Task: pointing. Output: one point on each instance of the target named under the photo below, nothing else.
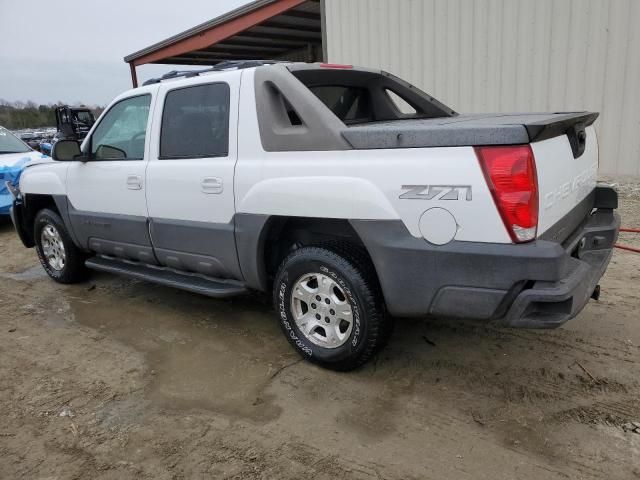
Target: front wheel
(61, 259)
(330, 307)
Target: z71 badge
(437, 192)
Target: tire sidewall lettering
(354, 303)
(283, 311)
(42, 223)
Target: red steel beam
(221, 32)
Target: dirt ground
(117, 379)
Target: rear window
(195, 122)
(349, 104)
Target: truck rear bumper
(540, 284)
(550, 304)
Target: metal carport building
(474, 55)
(265, 29)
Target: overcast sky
(72, 50)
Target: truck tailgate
(564, 182)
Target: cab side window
(195, 122)
(122, 132)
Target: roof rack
(227, 64)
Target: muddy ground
(116, 379)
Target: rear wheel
(61, 259)
(330, 306)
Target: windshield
(9, 143)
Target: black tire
(73, 270)
(351, 270)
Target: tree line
(19, 115)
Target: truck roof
(223, 66)
(233, 65)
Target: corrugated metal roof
(298, 28)
(238, 12)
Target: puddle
(123, 412)
(34, 273)
(201, 352)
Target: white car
(14, 154)
(349, 194)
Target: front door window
(121, 133)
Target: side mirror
(65, 150)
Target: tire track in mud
(418, 406)
(563, 341)
(487, 390)
(608, 413)
(565, 381)
(535, 458)
(554, 338)
(318, 461)
(559, 396)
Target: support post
(323, 26)
(134, 76)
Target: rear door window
(195, 122)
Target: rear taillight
(510, 172)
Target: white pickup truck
(348, 193)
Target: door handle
(134, 182)
(211, 185)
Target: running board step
(191, 282)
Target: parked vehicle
(14, 154)
(348, 193)
(73, 123)
(39, 140)
(45, 146)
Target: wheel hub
(53, 247)
(321, 310)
